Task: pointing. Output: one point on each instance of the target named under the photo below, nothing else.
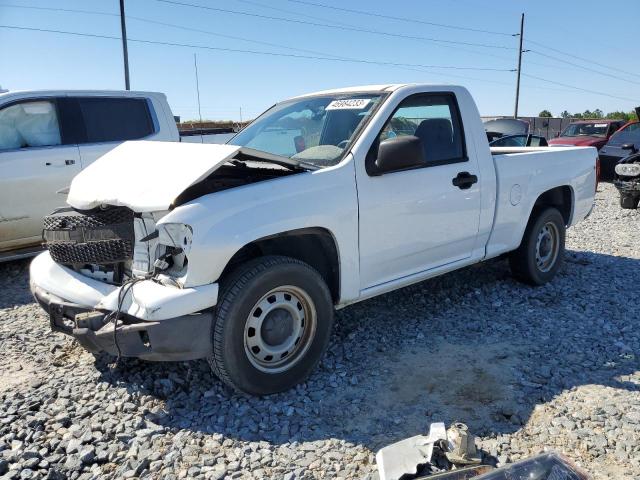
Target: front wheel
(272, 325)
(541, 252)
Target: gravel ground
(526, 368)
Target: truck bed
(523, 173)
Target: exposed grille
(70, 219)
(98, 236)
(104, 251)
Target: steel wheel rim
(279, 329)
(547, 247)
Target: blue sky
(602, 32)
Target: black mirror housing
(628, 146)
(399, 153)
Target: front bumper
(158, 323)
(628, 187)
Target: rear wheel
(541, 252)
(272, 325)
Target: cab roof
(386, 88)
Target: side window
(115, 119)
(435, 120)
(29, 124)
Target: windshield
(586, 130)
(629, 134)
(315, 130)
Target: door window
(435, 120)
(115, 119)
(29, 124)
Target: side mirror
(399, 153)
(628, 146)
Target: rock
(88, 454)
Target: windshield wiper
(249, 154)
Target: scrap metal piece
(462, 446)
(405, 457)
(461, 473)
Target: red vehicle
(587, 133)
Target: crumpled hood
(577, 141)
(146, 176)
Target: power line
(291, 12)
(208, 32)
(573, 87)
(588, 69)
(588, 60)
(334, 26)
(172, 25)
(401, 19)
(255, 52)
(182, 27)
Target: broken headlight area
(114, 244)
(171, 243)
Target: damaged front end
(115, 276)
(627, 181)
(111, 268)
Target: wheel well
(314, 246)
(560, 198)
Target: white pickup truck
(239, 253)
(47, 137)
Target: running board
(20, 253)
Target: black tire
(243, 292)
(629, 202)
(525, 261)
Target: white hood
(146, 176)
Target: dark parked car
(522, 140)
(627, 181)
(623, 143)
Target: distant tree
(618, 115)
(565, 114)
(545, 114)
(597, 113)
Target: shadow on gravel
(14, 290)
(473, 346)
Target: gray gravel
(527, 368)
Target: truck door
(415, 220)
(37, 161)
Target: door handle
(60, 163)
(464, 180)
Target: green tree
(565, 114)
(545, 114)
(618, 115)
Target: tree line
(595, 114)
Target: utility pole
(125, 53)
(515, 114)
(195, 64)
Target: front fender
(224, 222)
